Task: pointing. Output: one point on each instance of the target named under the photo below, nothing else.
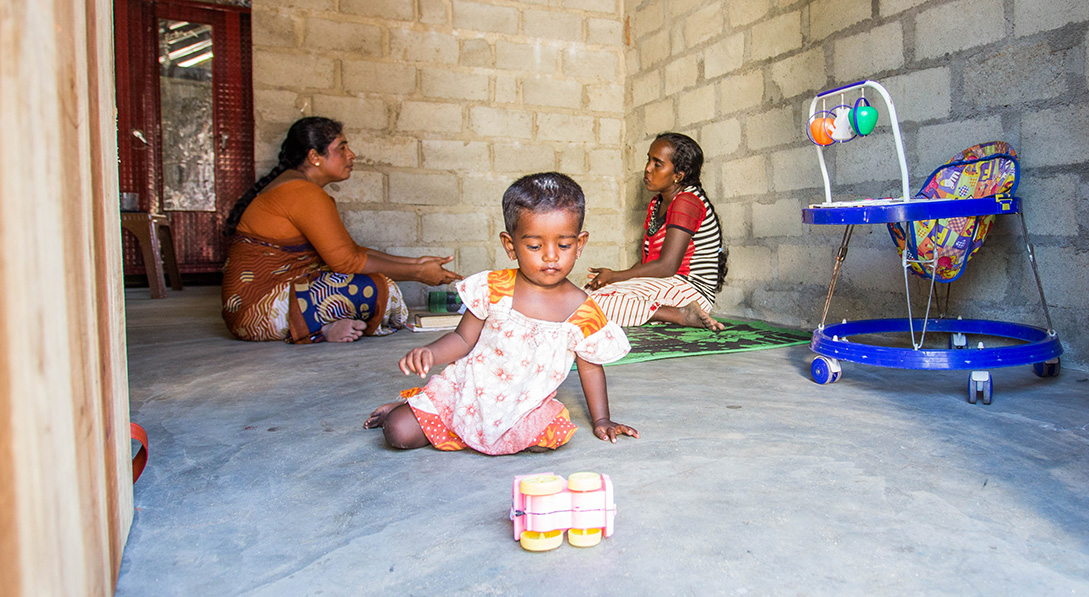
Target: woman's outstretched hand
(432, 272)
(418, 360)
(607, 430)
(599, 277)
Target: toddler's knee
(401, 429)
(394, 437)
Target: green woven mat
(668, 341)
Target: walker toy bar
(842, 123)
(545, 505)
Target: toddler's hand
(607, 430)
(418, 360)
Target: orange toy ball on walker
(821, 126)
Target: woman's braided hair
(312, 132)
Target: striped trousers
(634, 301)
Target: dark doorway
(185, 121)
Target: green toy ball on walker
(863, 117)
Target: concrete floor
(748, 479)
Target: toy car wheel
(584, 482)
(825, 370)
(1047, 368)
(584, 537)
(541, 541)
(541, 485)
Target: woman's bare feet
(378, 417)
(689, 315)
(344, 330)
(697, 318)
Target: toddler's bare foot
(696, 318)
(344, 330)
(378, 417)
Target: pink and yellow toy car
(545, 505)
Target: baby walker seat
(936, 231)
(986, 170)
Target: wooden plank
(83, 358)
(109, 284)
(10, 573)
(61, 340)
(47, 503)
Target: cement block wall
(739, 75)
(447, 101)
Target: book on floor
(431, 322)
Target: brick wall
(446, 102)
(739, 75)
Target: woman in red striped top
(683, 263)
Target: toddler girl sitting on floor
(516, 341)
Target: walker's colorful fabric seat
(985, 170)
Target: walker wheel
(980, 387)
(1049, 368)
(957, 341)
(825, 370)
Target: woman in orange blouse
(293, 272)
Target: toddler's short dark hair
(541, 193)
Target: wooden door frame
(65, 475)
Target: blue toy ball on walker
(936, 232)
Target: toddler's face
(546, 245)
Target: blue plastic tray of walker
(887, 211)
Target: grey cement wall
(446, 101)
(739, 76)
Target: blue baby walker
(936, 232)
